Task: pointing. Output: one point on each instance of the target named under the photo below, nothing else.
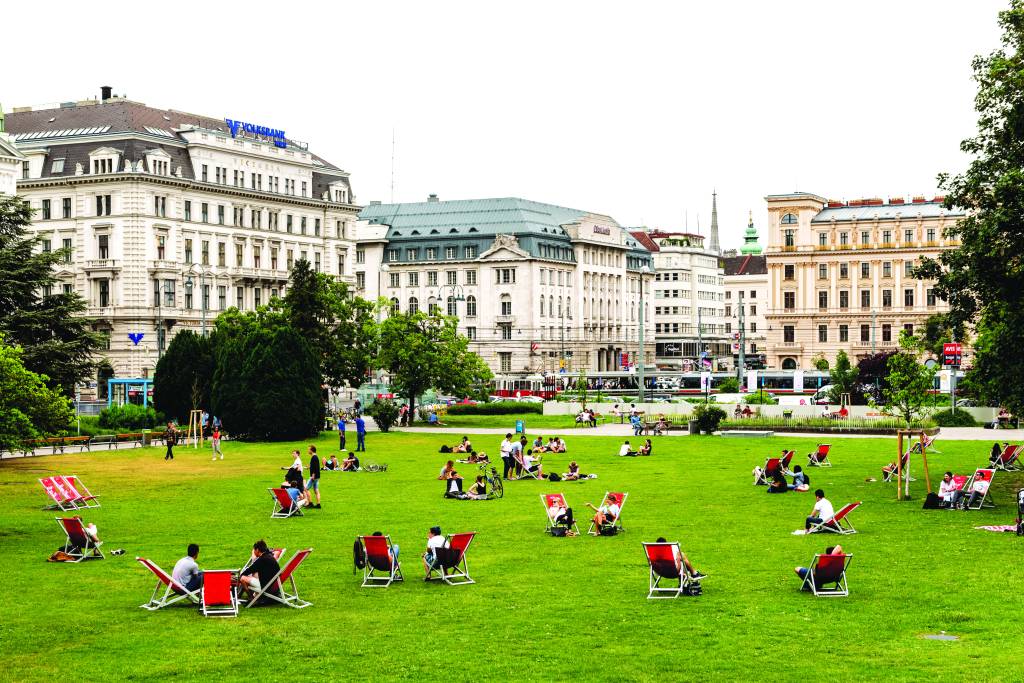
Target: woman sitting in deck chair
(607, 513)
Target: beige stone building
(839, 274)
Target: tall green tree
(423, 351)
(338, 326)
(907, 387)
(28, 408)
(56, 340)
(982, 279)
(843, 378)
(184, 375)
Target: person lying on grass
(464, 447)
(682, 562)
(607, 513)
(476, 458)
(802, 571)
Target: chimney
(375, 202)
(105, 92)
(432, 198)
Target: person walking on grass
(313, 484)
(360, 433)
(170, 438)
(215, 443)
(341, 432)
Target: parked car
(530, 399)
(964, 403)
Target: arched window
(452, 308)
(394, 305)
(414, 305)
(470, 306)
(506, 304)
(542, 311)
(789, 364)
(789, 219)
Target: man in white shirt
(532, 464)
(822, 511)
(516, 456)
(434, 541)
(506, 455)
(626, 449)
(186, 572)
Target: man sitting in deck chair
(450, 560)
(378, 554)
(819, 458)
(977, 490)
(1007, 458)
(826, 569)
(608, 515)
(82, 541)
(263, 570)
(772, 467)
(836, 523)
(186, 572)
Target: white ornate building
(10, 161)
(171, 217)
(536, 287)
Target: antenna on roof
(392, 165)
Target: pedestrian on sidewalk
(360, 433)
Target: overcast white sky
(637, 110)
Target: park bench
(54, 443)
(100, 439)
(131, 437)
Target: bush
(130, 417)
(708, 417)
(384, 412)
(729, 385)
(961, 418)
(500, 408)
(759, 398)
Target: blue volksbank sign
(263, 131)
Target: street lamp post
(202, 273)
(644, 270)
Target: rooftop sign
(275, 135)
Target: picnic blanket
(999, 527)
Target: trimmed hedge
(961, 418)
(499, 408)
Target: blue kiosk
(122, 391)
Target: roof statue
(750, 245)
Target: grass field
(542, 608)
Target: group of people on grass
(360, 430)
(627, 450)
(260, 571)
(210, 428)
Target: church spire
(714, 223)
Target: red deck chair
(284, 578)
(819, 458)
(378, 553)
(79, 544)
(284, 506)
(61, 498)
(661, 563)
(451, 559)
(172, 592)
(839, 523)
(79, 493)
(978, 490)
(772, 466)
(1008, 459)
(825, 571)
(557, 500)
(219, 599)
(786, 460)
(610, 497)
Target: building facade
(536, 287)
(170, 218)
(840, 274)
(10, 161)
(746, 303)
(689, 300)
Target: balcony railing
(102, 264)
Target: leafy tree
(184, 375)
(908, 387)
(982, 279)
(28, 408)
(384, 413)
(820, 364)
(729, 385)
(426, 352)
(843, 378)
(872, 371)
(54, 337)
(938, 329)
(339, 327)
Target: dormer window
(159, 162)
(104, 160)
(103, 165)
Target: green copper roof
(750, 245)
(472, 217)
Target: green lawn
(542, 608)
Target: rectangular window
(887, 236)
(431, 278)
(452, 277)
(886, 298)
(505, 361)
(505, 276)
(931, 234)
(273, 258)
(822, 239)
(789, 300)
(506, 307)
(67, 250)
(188, 251)
(103, 246)
(257, 296)
(360, 280)
(222, 297)
(470, 252)
(886, 332)
(411, 254)
(289, 259)
(506, 331)
(240, 298)
(221, 254)
(160, 206)
(789, 272)
(257, 218)
(103, 205)
(887, 269)
(789, 238)
(929, 296)
(302, 225)
(414, 279)
(239, 254)
(341, 264)
(471, 333)
(316, 261)
(470, 277)
(316, 227)
(450, 252)
(788, 334)
(394, 280)
(908, 328)
(431, 253)
(104, 298)
(303, 188)
(865, 269)
(204, 208)
(822, 299)
(206, 173)
(220, 214)
(46, 209)
(188, 210)
(844, 238)
(206, 297)
(844, 271)
(865, 298)
(288, 222)
(908, 298)
(66, 204)
(822, 271)
(257, 255)
(822, 333)
(908, 268)
(204, 251)
(188, 296)
(865, 237)
(844, 299)
(865, 333)
(46, 246)
(844, 333)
